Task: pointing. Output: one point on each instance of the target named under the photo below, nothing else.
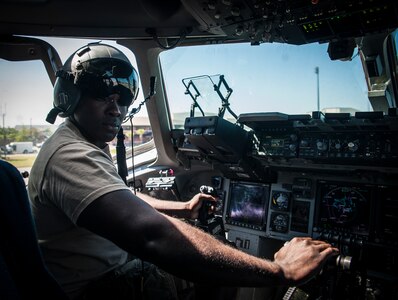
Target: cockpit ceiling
(201, 21)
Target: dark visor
(108, 84)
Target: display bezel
(256, 221)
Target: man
(89, 222)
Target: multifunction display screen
(345, 207)
(247, 204)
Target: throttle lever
(211, 222)
(204, 214)
(205, 189)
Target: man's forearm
(169, 207)
(201, 258)
(190, 253)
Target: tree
(7, 135)
(31, 134)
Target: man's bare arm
(188, 209)
(190, 253)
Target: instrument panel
(296, 22)
(358, 217)
(335, 139)
(331, 177)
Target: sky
(265, 78)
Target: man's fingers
(208, 197)
(331, 250)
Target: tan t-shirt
(69, 173)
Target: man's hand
(302, 258)
(196, 203)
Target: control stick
(205, 212)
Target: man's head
(96, 86)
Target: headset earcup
(66, 96)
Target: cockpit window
(267, 78)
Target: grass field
(20, 160)
(26, 160)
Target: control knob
(304, 143)
(353, 146)
(321, 146)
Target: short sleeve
(78, 174)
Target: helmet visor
(126, 87)
(111, 81)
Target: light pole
(317, 87)
(3, 114)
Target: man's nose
(113, 106)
